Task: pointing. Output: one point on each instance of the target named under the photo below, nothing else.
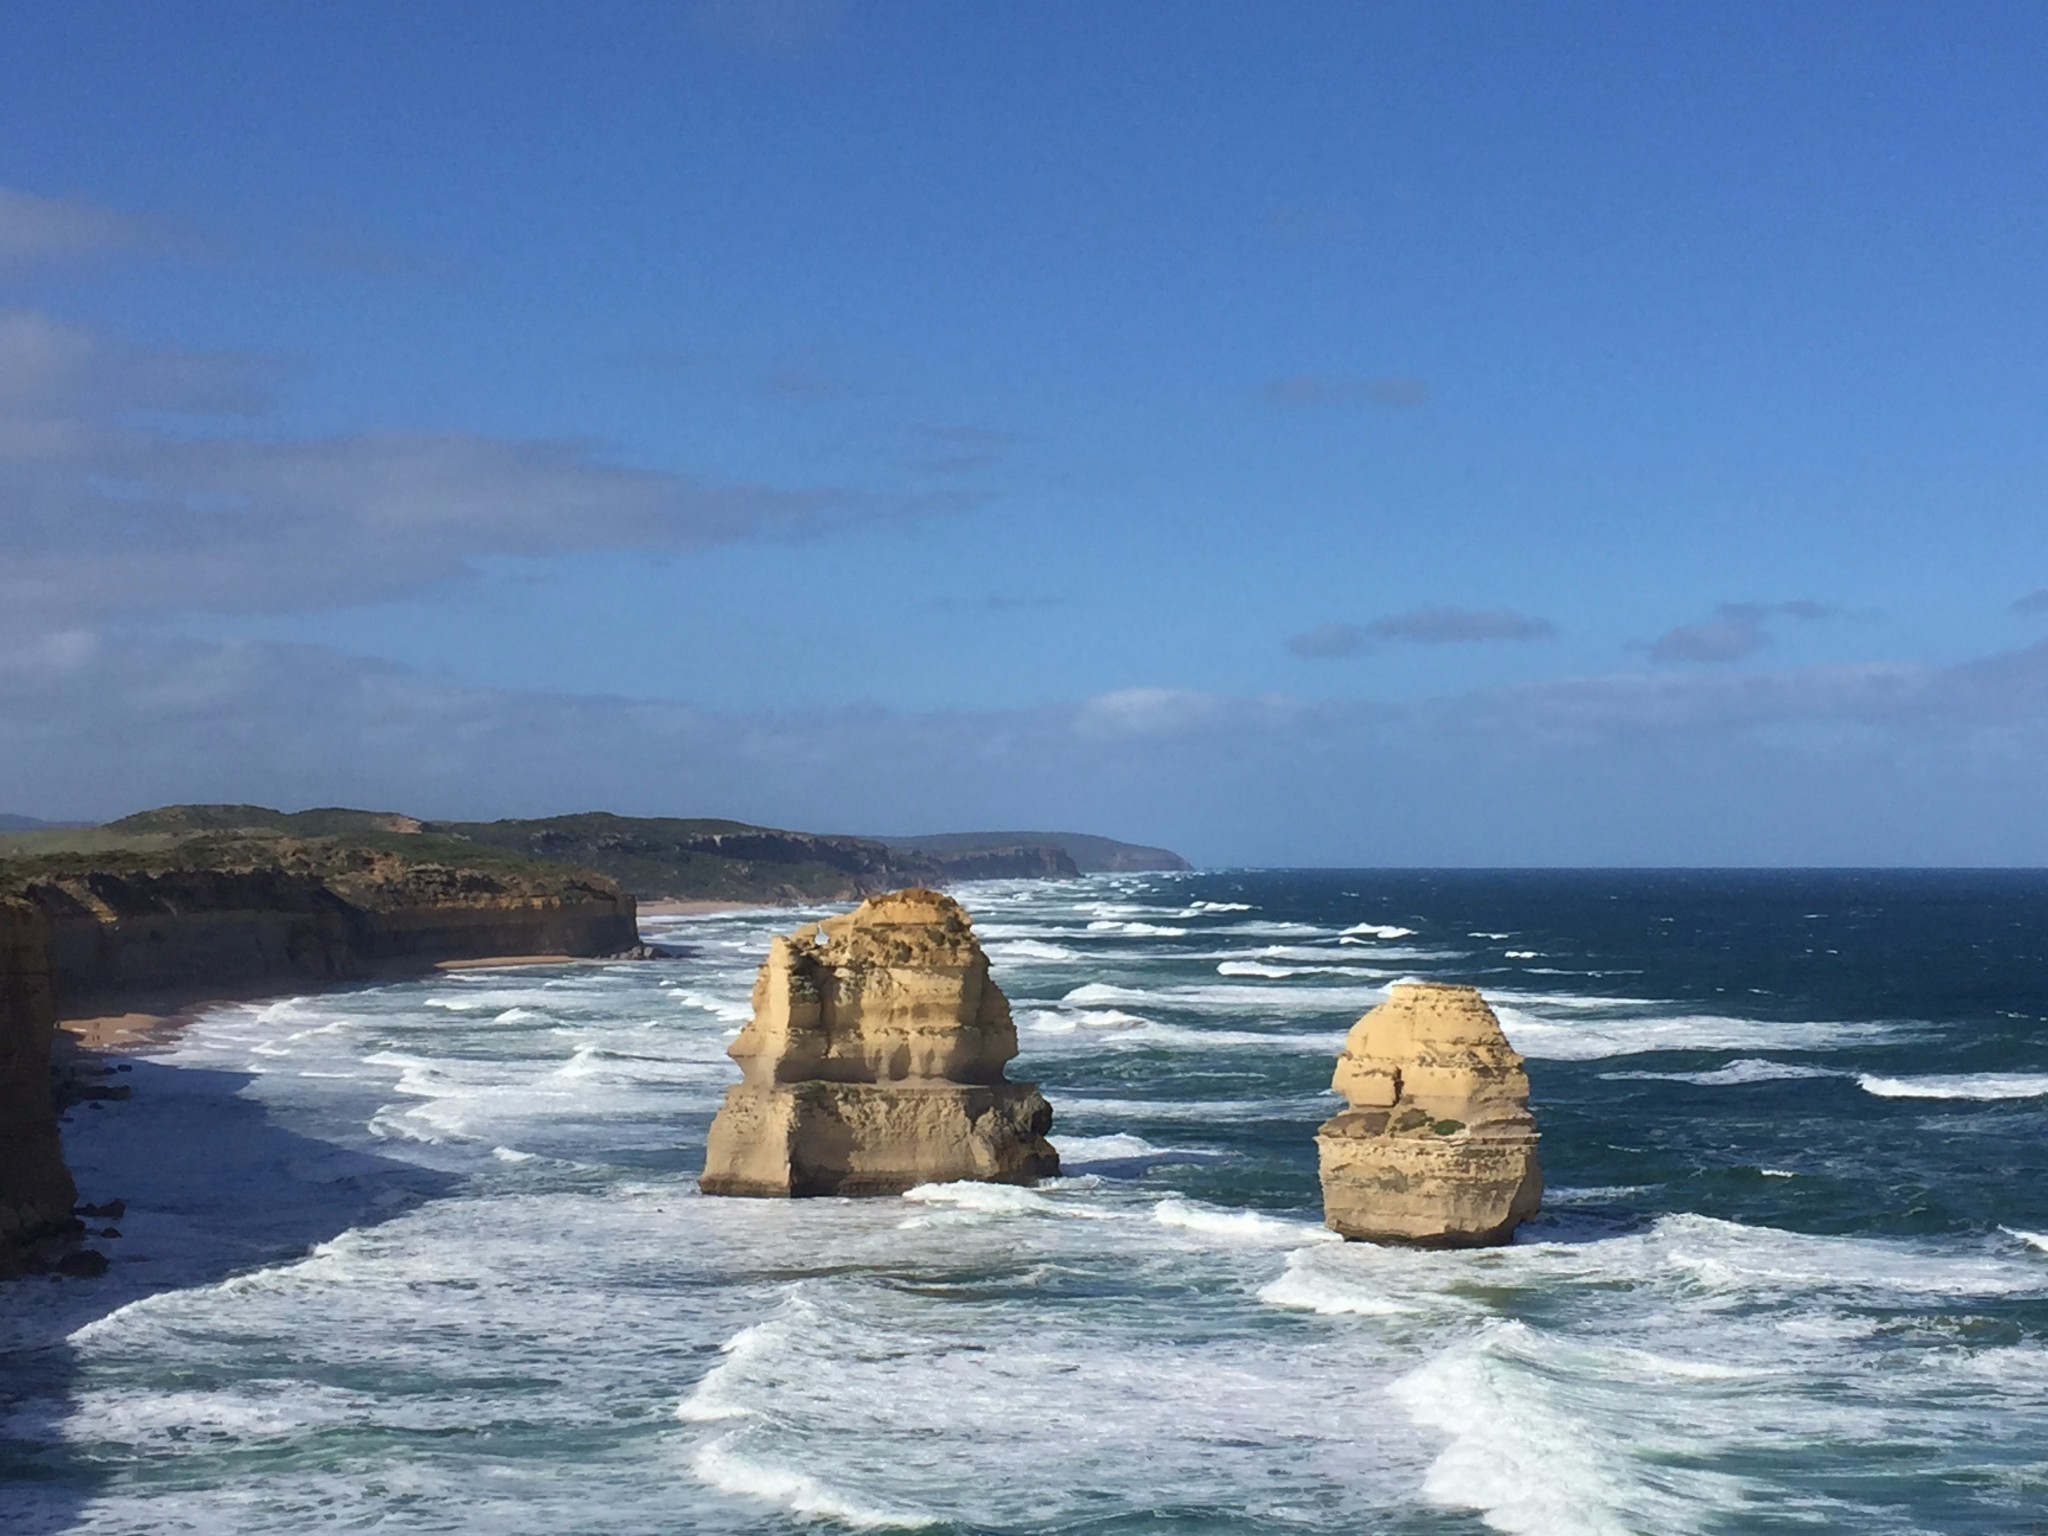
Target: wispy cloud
(2033, 602)
(1313, 389)
(357, 256)
(52, 371)
(1878, 762)
(1325, 220)
(962, 450)
(1421, 626)
(1733, 632)
(103, 511)
(803, 384)
(769, 26)
(998, 602)
(41, 229)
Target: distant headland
(652, 858)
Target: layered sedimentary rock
(36, 1193)
(115, 936)
(874, 1062)
(78, 941)
(1437, 1146)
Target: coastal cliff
(228, 915)
(657, 857)
(1090, 855)
(36, 1193)
(152, 929)
(874, 1062)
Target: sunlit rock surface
(874, 1062)
(1437, 1146)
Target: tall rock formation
(36, 1193)
(874, 1062)
(1437, 1146)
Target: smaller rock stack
(1437, 1146)
(874, 1062)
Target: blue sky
(1323, 433)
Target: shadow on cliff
(213, 1187)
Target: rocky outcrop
(1437, 1146)
(36, 1193)
(874, 1062)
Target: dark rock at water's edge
(157, 926)
(36, 1192)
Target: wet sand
(141, 1025)
(701, 908)
(148, 1024)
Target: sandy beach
(700, 908)
(150, 1024)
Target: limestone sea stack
(1437, 1146)
(874, 1062)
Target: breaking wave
(1972, 1085)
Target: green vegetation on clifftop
(1091, 855)
(658, 857)
(653, 857)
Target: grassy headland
(652, 857)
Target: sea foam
(1750, 1069)
(1972, 1085)
(718, 1465)
(1239, 1226)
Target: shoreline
(681, 908)
(152, 1022)
(140, 1026)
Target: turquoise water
(429, 1257)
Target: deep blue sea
(430, 1256)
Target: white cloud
(1421, 626)
(1146, 712)
(1732, 632)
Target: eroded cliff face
(118, 936)
(874, 1062)
(107, 941)
(1437, 1146)
(36, 1193)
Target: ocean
(429, 1256)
